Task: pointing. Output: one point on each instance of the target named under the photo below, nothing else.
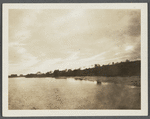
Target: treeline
(127, 68)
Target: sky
(48, 39)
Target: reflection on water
(51, 93)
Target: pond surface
(51, 93)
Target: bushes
(119, 69)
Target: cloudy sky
(45, 40)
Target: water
(51, 93)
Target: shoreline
(132, 80)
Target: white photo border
(144, 60)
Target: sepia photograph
(76, 57)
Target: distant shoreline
(68, 76)
(132, 80)
(122, 69)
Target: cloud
(15, 44)
(71, 38)
(22, 63)
(129, 48)
(21, 50)
(134, 28)
(94, 57)
(74, 56)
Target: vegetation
(128, 68)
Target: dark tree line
(128, 68)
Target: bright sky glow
(129, 48)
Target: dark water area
(51, 93)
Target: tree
(127, 60)
(56, 73)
